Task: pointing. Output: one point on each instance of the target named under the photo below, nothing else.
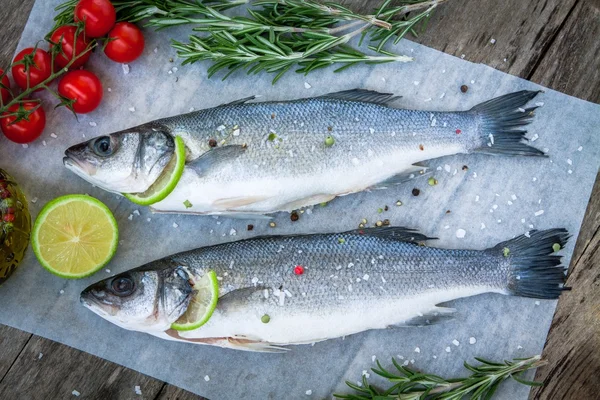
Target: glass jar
(15, 225)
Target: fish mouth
(79, 167)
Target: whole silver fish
(248, 158)
(351, 282)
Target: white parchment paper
(495, 199)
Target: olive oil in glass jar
(15, 225)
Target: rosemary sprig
(408, 384)
(276, 35)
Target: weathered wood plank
(572, 63)
(170, 392)
(12, 342)
(522, 30)
(13, 14)
(50, 370)
(573, 345)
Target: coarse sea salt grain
(537, 302)
(131, 109)
(472, 340)
(92, 123)
(448, 350)
(455, 342)
(460, 233)
(538, 213)
(373, 358)
(75, 393)
(53, 135)
(308, 392)
(175, 225)
(232, 232)
(40, 356)
(125, 68)
(493, 41)
(206, 378)
(307, 85)
(417, 350)
(138, 390)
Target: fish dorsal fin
(240, 101)
(399, 233)
(215, 156)
(367, 96)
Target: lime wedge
(166, 182)
(202, 305)
(74, 236)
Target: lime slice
(202, 304)
(74, 236)
(166, 182)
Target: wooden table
(552, 42)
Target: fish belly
(287, 326)
(245, 192)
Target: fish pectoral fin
(215, 156)
(435, 316)
(414, 171)
(227, 204)
(236, 343)
(367, 96)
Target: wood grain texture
(573, 345)
(12, 342)
(170, 392)
(552, 42)
(572, 63)
(522, 30)
(62, 369)
(13, 14)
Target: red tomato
(40, 67)
(84, 87)
(99, 16)
(5, 94)
(66, 36)
(126, 43)
(26, 130)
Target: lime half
(74, 236)
(202, 305)
(166, 182)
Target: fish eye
(122, 286)
(102, 146)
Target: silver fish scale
(298, 130)
(334, 274)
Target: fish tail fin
(500, 119)
(533, 270)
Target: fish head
(141, 300)
(128, 161)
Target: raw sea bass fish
(348, 283)
(256, 158)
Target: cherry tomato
(26, 130)
(66, 36)
(126, 43)
(4, 93)
(40, 67)
(84, 87)
(99, 16)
